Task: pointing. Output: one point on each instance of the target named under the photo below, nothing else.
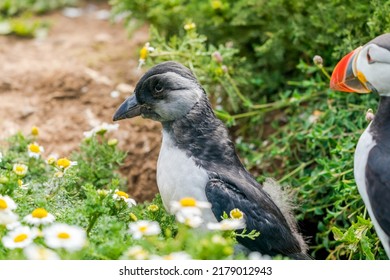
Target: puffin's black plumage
(378, 164)
(204, 139)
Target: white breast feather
(364, 146)
(178, 176)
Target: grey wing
(378, 186)
(261, 214)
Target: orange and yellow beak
(346, 78)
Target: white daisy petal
(8, 218)
(135, 253)
(34, 252)
(7, 204)
(172, 256)
(227, 224)
(101, 129)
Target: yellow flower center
(143, 229)
(63, 235)
(34, 148)
(20, 182)
(63, 162)
(39, 213)
(153, 207)
(3, 204)
(34, 131)
(236, 214)
(143, 54)
(20, 237)
(123, 194)
(188, 202)
(19, 169)
(168, 257)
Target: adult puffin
(365, 70)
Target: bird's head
(365, 69)
(166, 92)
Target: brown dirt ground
(62, 84)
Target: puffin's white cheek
(379, 77)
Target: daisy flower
(227, 224)
(7, 204)
(19, 237)
(20, 169)
(172, 256)
(193, 221)
(135, 253)
(153, 208)
(22, 185)
(188, 202)
(112, 142)
(34, 252)
(189, 26)
(102, 193)
(71, 238)
(34, 131)
(65, 163)
(34, 150)
(144, 228)
(236, 214)
(52, 159)
(39, 217)
(8, 218)
(101, 129)
(119, 195)
(143, 54)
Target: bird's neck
(202, 136)
(380, 127)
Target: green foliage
(16, 16)
(274, 35)
(98, 160)
(9, 8)
(87, 195)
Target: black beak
(128, 109)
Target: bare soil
(62, 84)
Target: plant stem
(92, 222)
(296, 170)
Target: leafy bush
(274, 35)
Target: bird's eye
(158, 88)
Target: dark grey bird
(197, 159)
(364, 70)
